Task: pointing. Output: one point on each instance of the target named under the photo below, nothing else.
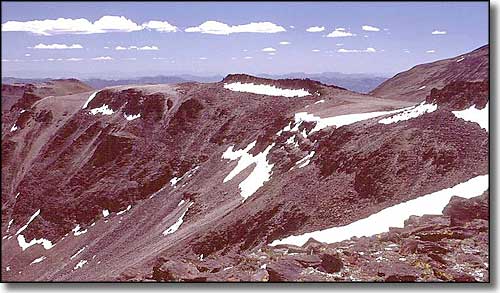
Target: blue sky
(396, 36)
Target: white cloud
(269, 49)
(160, 26)
(57, 46)
(271, 53)
(285, 43)
(438, 32)
(406, 50)
(339, 33)
(102, 58)
(148, 48)
(430, 51)
(316, 50)
(106, 47)
(247, 57)
(27, 54)
(370, 28)
(74, 59)
(50, 27)
(292, 26)
(367, 50)
(339, 45)
(203, 58)
(144, 48)
(219, 28)
(315, 29)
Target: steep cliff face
(415, 84)
(180, 182)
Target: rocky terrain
(415, 84)
(219, 182)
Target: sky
(132, 39)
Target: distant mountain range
(362, 83)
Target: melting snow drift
(472, 114)
(264, 89)
(394, 216)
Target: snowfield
(394, 216)
(264, 89)
(472, 114)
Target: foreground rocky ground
(452, 247)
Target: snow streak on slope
(264, 89)
(339, 121)
(37, 260)
(412, 112)
(178, 223)
(260, 174)
(13, 128)
(394, 216)
(91, 97)
(472, 114)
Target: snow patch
(264, 89)
(105, 213)
(8, 225)
(77, 253)
(305, 160)
(80, 264)
(178, 223)
(432, 203)
(175, 180)
(37, 260)
(319, 102)
(472, 114)
(29, 221)
(77, 232)
(131, 117)
(125, 210)
(91, 97)
(422, 87)
(47, 244)
(261, 173)
(410, 113)
(13, 128)
(460, 59)
(104, 110)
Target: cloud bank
(219, 28)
